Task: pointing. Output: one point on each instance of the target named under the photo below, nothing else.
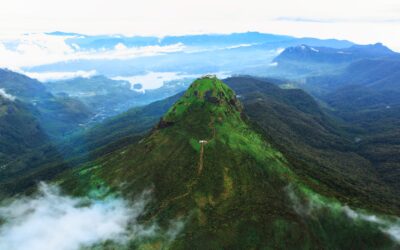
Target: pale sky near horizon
(357, 20)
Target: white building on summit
(209, 76)
(203, 141)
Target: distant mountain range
(308, 53)
(305, 60)
(106, 97)
(201, 40)
(116, 56)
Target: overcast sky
(357, 20)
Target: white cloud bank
(392, 228)
(361, 21)
(51, 221)
(54, 76)
(7, 96)
(154, 80)
(389, 225)
(39, 48)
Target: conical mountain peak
(207, 94)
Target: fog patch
(242, 45)
(55, 76)
(155, 80)
(394, 231)
(308, 203)
(279, 51)
(33, 49)
(52, 220)
(391, 228)
(6, 95)
(273, 64)
(152, 80)
(174, 229)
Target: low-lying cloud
(392, 228)
(388, 225)
(35, 49)
(6, 95)
(51, 220)
(54, 76)
(154, 80)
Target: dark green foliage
(316, 144)
(367, 97)
(20, 132)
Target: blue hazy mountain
(306, 53)
(21, 86)
(57, 115)
(305, 60)
(367, 93)
(205, 40)
(106, 97)
(377, 74)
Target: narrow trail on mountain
(203, 142)
(199, 171)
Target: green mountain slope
(366, 95)
(58, 115)
(24, 146)
(31, 120)
(48, 160)
(121, 130)
(317, 145)
(207, 165)
(20, 131)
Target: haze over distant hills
(60, 55)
